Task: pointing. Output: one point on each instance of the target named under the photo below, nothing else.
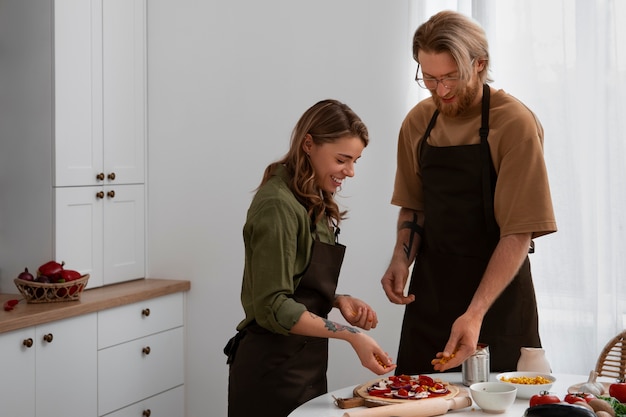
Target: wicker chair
(612, 361)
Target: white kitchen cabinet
(74, 106)
(100, 92)
(168, 404)
(50, 369)
(100, 135)
(103, 231)
(17, 362)
(143, 357)
(140, 319)
(140, 368)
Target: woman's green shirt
(278, 239)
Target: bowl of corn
(528, 383)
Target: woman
(279, 357)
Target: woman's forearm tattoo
(335, 327)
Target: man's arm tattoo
(415, 228)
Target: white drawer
(127, 374)
(167, 404)
(132, 321)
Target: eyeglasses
(430, 83)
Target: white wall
(227, 83)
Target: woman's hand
(356, 312)
(371, 355)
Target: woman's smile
(334, 162)
(337, 181)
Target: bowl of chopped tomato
(528, 383)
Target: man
(473, 192)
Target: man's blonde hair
(457, 34)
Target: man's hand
(394, 281)
(461, 344)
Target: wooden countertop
(91, 300)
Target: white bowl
(493, 397)
(527, 390)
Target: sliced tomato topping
(438, 388)
(425, 380)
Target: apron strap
(431, 124)
(487, 165)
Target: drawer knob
(111, 194)
(146, 350)
(48, 337)
(146, 413)
(111, 176)
(28, 342)
(100, 176)
(145, 312)
(100, 194)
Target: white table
(324, 405)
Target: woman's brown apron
(460, 235)
(273, 374)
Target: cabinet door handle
(100, 176)
(146, 350)
(48, 337)
(100, 194)
(145, 312)
(146, 413)
(111, 176)
(111, 194)
(28, 342)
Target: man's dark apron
(460, 235)
(273, 374)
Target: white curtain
(567, 61)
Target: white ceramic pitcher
(533, 360)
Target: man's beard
(464, 100)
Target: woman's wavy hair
(326, 122)
(457, 34)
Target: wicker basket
(39, 292)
